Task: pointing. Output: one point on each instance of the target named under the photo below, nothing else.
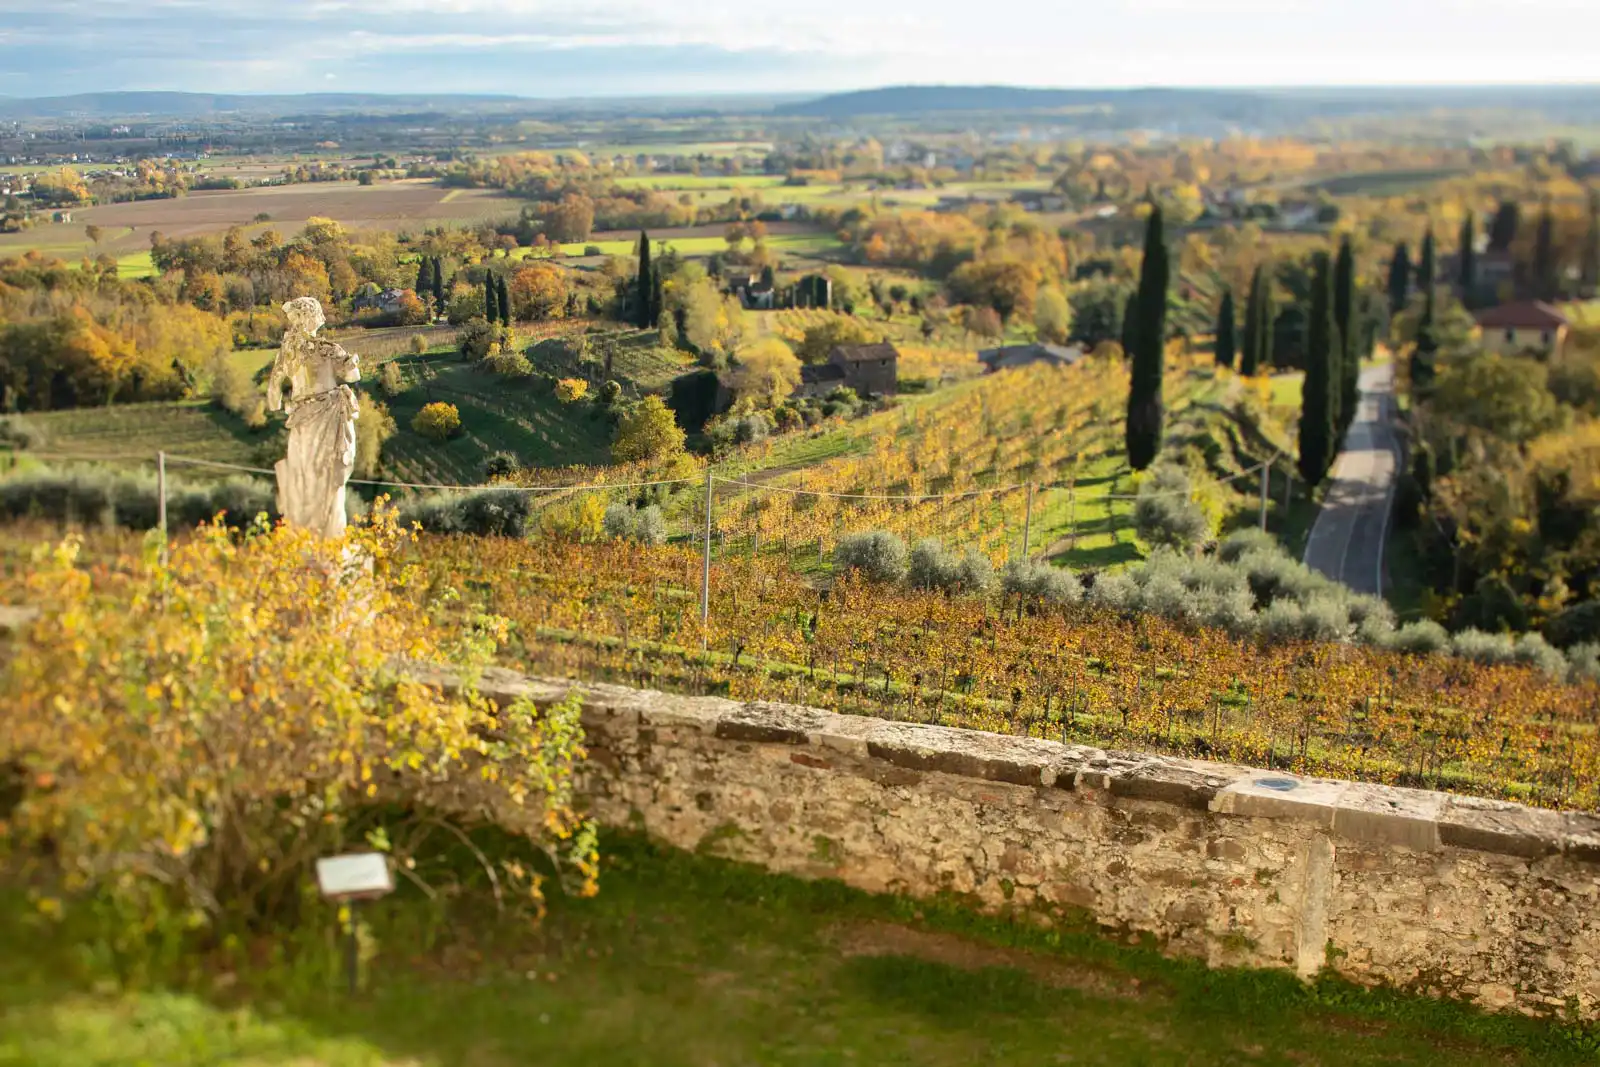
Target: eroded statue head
(305, 313)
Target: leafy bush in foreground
(190, 736)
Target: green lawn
(701, 246)
(692, 961)
(520, 416)
(138, 431)
(700, 181)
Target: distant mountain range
(179, 106)
(1168, 106)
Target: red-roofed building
(1526, 326)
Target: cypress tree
(1545, 280)
(1319, 390)
(1143, 432)
(424, 284)
(1344, 312)
(503, 298)
(1249, 354)
(1427, 268)
(656, 299)
(1591, 247)
(490, 311)
(1225, 331)
(1268, 316)
(1468, 274)
(1399, 279)
(438, 284)
(1503, 227)
(1130, 324)
(644, 293)
(1424, 354)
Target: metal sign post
(348, 880)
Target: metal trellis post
(705, 560)
(161, 501)
(1266, 476)
(1027, 522)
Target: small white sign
(359, 874)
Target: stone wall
(1426, 891)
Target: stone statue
(322, 421)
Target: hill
(1196, 108)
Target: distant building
(868, 369)
(1526, 326)
(1008, 356)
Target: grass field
(686, 961)
(707, 244)
(497, 414)
(700, 181)
(136, 432)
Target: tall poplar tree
(1257, 354)
(1424, 365)
(1130, 324)
(1399, 279)
(1145, 413)
(1467, 274)
(503, 299)
(1226, 327)
(1591, 247)
(1344, 316)
(1427, 266)
(1546, 280)
(644, 294)
(1318, 432)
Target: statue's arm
(275, 379)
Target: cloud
(614, 47)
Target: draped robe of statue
(322, 421)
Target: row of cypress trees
(496, 299)
(1332, 390)
(1250, 347)
(430, 281)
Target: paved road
(1347, 541)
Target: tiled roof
(1524, 315)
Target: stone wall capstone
(1431, 892)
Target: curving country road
(1347, 541)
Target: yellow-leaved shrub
(192, 734)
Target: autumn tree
(1319, 391)
(1145, 414)
(765, 373)
(823, 338)
(538, 293)
(647, 431)
(1052, 315)
(1225, 331)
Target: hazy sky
(612, 47)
